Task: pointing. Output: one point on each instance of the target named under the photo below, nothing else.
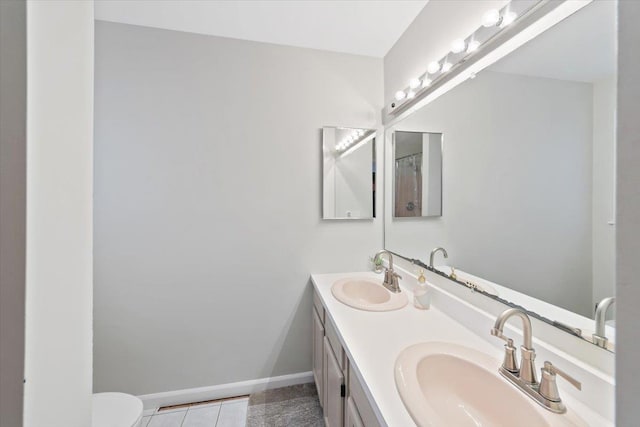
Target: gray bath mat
(295, 406)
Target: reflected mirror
(349, 173)
(417, 175)
(528, 175)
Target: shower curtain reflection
(408, 189)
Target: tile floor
(228, 413)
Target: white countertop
(373, 340)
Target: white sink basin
(366, 294)
(445, 385)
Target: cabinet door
(352, 416)
(333, 389)
(318, 355)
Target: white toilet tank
(116, 410)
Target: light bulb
(472, 76)
(414, 83)
(446, 67)
(473, 46)
(458, 46)
(360, 132)
(426, 82)
(433, 67)
(400, 95)
(508, 18)
(411, 94)
(491, 18)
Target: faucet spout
(390, 276)
(527, 372)
(600, 337)
(498, 327)
(434, 252)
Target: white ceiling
(363, 27)
(580, 48)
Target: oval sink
(445, 384)
(366, 294)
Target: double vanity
(380, 361)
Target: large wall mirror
(348, 173)
(528, 175)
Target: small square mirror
(349, 173)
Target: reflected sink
(445, 384)
(367, 294)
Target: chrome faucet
(599, 337)
(390, 276)
(544, 393)
(527, 372)
(434, 252)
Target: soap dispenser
(421, 293)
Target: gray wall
(522, 196)
(628, 217)
(208, 203)
(13, 110)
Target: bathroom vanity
(356, 359)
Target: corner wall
(58, 361)
(13, 193)
(628, 217)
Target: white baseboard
(222, 391)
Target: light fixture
(473, 46)
(433, 67)
(458, 46)
(508, 18)
(491, 18)
(446, 66)
(414, 83)
(400, 95)
(411, 95)
(426, 82)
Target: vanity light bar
(493, 22)
(352, 139)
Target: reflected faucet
(434, 252)
(599, 337)
(390, 276)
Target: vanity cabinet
(318, 355)
(352, 416)
(341, 395)
(334, 388)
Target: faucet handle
(510, 362)
(548, 388)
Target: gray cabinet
(334, 388)
(342, 397)
(352, 416)
(318, 355)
